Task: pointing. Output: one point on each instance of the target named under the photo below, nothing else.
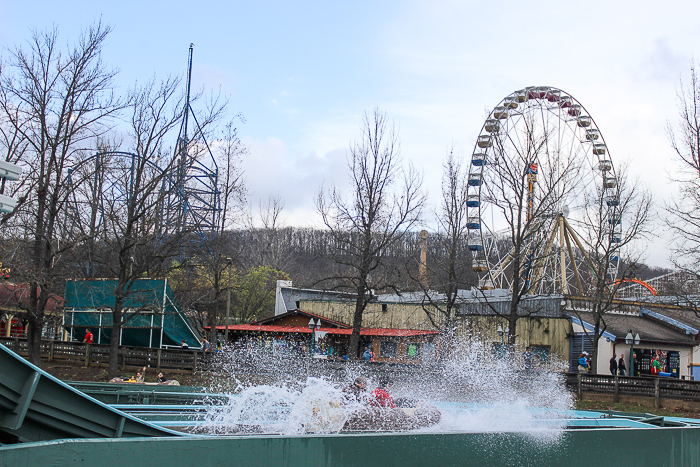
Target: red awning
(306, 330)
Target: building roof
(618, 325)
(14, 298)
(305, 330)
(331, 322)
(685, 316)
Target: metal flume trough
(35, 406)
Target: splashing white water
(475, 392)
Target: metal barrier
(579, 447)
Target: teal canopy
(154, 316)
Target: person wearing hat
(356, 391)
(380, 397)
(583, 363)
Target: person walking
(613, 365)
(88, 337)
(621, 365)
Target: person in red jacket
(381, 397)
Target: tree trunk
(353, 351)
(113, 364)
(34, 340)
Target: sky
(303, 73)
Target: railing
(98, 355)
(258, 363)
(644, 386)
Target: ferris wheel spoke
(546, 135)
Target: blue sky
(302, 73)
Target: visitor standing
(367, 355)
(656, 366)
(621, 365)
(582, 364)
(206, 346)
(613, 365)
(527, 359)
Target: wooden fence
(645, 386)
(98, 355)
(178, 360)
(196, 360)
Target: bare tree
(133, 193)
(615, 217)
(683, 213)
(268, 245)
(58, 103)
(448, 270)
(526, 188)
(234, 191)
(385, 202)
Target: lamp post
(631, 341)
(229, 262)
(502, 333)
(314, 326)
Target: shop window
(388, 349)
(413, 350)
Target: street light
(314, 326)
(229, 262)
(501, 332)
(631, 341)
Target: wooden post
(122, 358)
(657, 402)
(616, 398)
(194, 362)
(578, 380)
(51, 350)
(87, 355)
(159, 352)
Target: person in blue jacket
(583, 364)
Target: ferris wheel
(539, 164)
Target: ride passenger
(140, 376)
(356, 392)
(380, 397)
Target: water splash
(474, 390)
